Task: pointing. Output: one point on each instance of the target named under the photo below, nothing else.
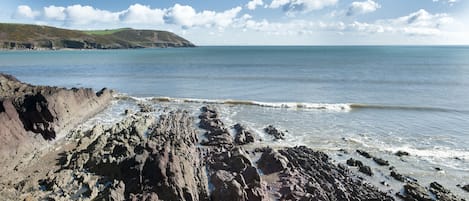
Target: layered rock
(35, 114)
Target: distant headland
(36, 37)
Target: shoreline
(204, 159)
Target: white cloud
(25, 12)
(362, 7)
(54, 13)
(186, 16)
(83, 15)
(252, 5)
(142, 14)
(292, 6)
(420, 23)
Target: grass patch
(105, 32)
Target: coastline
(173, 154)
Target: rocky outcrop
(243, 135)
(276, 133)
(217, 134)
(296, 173)
(35, 114)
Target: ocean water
(376, 98)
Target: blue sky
(262, 22)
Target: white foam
(333, 107)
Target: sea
(336, 99)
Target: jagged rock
(311, 176)
(217, 134)
(366, 170)
(271, 130)
(413, 191)
(465, 187)
(271, 161)
(402, 153)
(145, 107)
(364, 153)
(27, 110)
(353, 162)
(226, 187)
(441, 193)
(163, 166)
(381, 161)
(243, 135)
(401, 177)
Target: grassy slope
(114, 38)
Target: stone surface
(243, 135)
(27, 111)
(271, 130)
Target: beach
(381, 128)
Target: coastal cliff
(33, 37)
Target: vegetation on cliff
(23, 36)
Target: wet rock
(402, 153)
(271, 161)
(128, 111)
(243, 135)
(145, 107)
(413, 191)
(465, 187)
(402, 178)
(354, 163)
(217, 134)
(366, 170)
(271, 130)
(380, 161)
(441, 193)
(364, 153)
(310, 176)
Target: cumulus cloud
(419, 23)
(142, 14)
(292, 6)
(181, 15)
(362, 7)
(187, 17)
(54, 13)
(25, 12)
(252, 5)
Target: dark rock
(465, 187)
(381, 161)
(402, 178)
(217, 134)
(354, 163)
(145, 107)
(271, 130)
(271, 161)
(310, 176)
(226, 188)
(402, 153)
(442, 193)
(364, 154)
(413, 191)
(26, 110)
(366, 170)
(243, 135)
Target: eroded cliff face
(32, 115)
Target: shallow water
(380, 99)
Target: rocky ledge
(33, 115)
(174, 156)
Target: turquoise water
(381, 99)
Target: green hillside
(23, 36)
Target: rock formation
(35, 114)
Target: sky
(261, 22)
